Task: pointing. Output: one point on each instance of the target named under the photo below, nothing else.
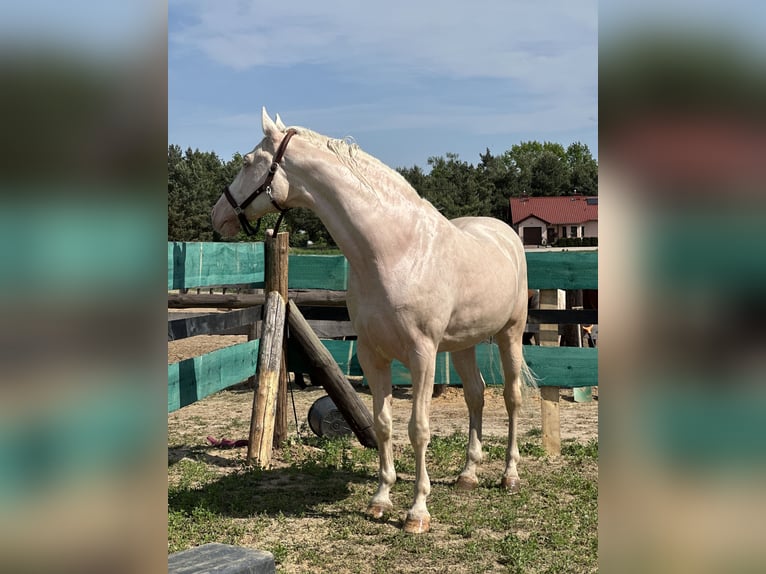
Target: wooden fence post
(549, 396)
(276, 277)
(270, 356)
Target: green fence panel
(199, 377)
(193, 264)
(318, 272)
(562, 269)
(566, 367)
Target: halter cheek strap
(265, 187)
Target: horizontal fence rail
(317, 285)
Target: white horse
(418, 284)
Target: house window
(573, 230)
(563, 231)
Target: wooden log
(276, 280)
(551, 422)
(313, 297)
(325, 371)
(267, 382)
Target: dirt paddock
(226, 414)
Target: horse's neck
(373, 227)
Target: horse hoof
(466, 483)
(511, 483)
(377, 511)
(417, 525)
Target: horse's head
(261, 185)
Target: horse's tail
(528, 376)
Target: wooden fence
(318, 283)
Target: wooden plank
(323, 313)
(324, 369)
(332, 329)
(199, 264)
(263, 421)
(549, 395)
(562, 269)
(212, 323)
(319, 272)
(563, 316)
(550, 299)
(199, 377)
(320, 297)
(549, 401)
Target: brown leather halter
(265, 187)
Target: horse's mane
(354, 158)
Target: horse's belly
(461, 334)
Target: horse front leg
(422, 367)
(378, 373)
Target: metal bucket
(326, 420)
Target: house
(543, 220)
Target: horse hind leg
(378, 373)
(512, 358)
(473, 391)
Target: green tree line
(455, 187)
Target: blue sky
(406, 80)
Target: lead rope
(279, 221)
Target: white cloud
(541, 44)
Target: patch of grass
(309, 511)
(200, 526)
(531, 449)
(580, 451)
(280, 552)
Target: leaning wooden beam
(314, 297)
(325, 371)
(267, 381)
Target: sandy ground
(227, 414)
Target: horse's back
(489, 231)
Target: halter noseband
(264, 188)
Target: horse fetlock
(378, 510)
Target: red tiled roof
(555, 210)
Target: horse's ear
(269, 127)
(280, 124)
